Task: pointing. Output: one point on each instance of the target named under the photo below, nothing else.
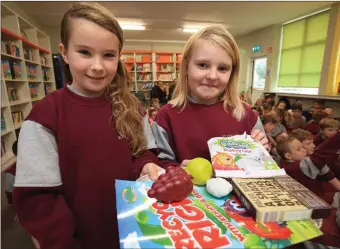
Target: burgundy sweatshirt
(81, 212)
(313, 127)
(184, 135)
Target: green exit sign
(256, 48)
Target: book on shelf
(17, 117)
(44, 59)
(6, 68)
(46, 75)
(29, 54)
(33, 91)
(10, 48)
(164, 58)
(13, 94)
(48, 89)
(165, 77)
(16, 68)
(279, 199)
(143, 76)
(31, 72)
(147, 86)
(3, 123)
(143, 58)
(164, 68)
(198, 221)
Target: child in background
(313, 125)
(281, 105)
(266, 109)
(269, 98)
(152, 114)
(269, 122)
(311, 171)
(304, 168)
(259, 102)
(155, 104)
(280, 125)
(306, 139)
(295, 119)
(79, 139)
(329, 111)
(328, 128)
(205, 103)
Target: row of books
(13, 94)
(165, 68)
(11, 69)
(29, 54)
(144, 77)
(44, 59)
(17, 117)
(10, 48)
(165, 77)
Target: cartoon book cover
(199, 221)
(240, 156)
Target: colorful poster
(199, 221)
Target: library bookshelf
(27, 76)
(148, 67)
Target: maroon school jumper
(189, 131)
(81, 213)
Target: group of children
(309, 151)
(79, 139)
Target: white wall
(15, 7)
(266, 37)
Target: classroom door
(258, 77)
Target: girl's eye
(84, 52)
(109, 55)
(202, 65)
(223, 69)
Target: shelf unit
(147, 67)
(27, 76)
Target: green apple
(200, 170)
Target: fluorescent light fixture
(190, 30)
(132, 27)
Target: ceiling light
(132, 27)
(190, 30)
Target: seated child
(266, 109)
(329, 112)
(152, 114)
(314, 125)
(306, 139)
(304, 168)
(295, 119)
(328, 128)
(268, 122)
(310, 171)
(279, 127)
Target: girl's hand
(184, 163)
(261, 137)
(150, 169)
